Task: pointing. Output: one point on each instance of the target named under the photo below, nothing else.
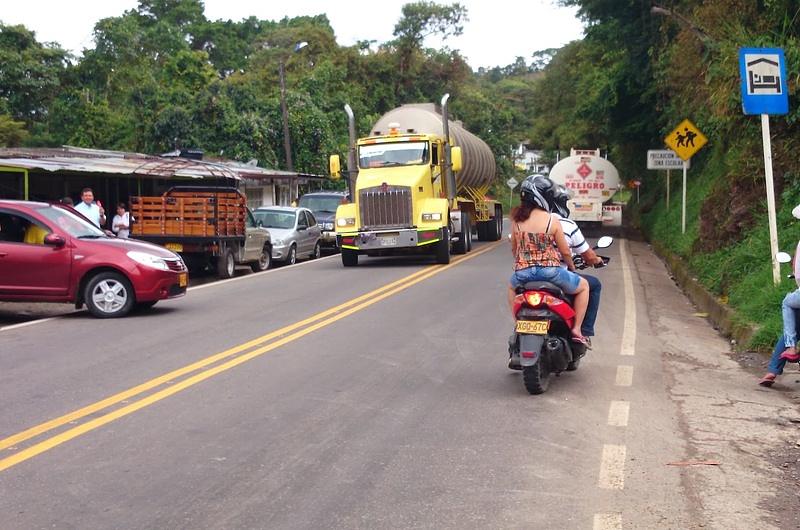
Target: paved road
(377, 397)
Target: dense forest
(163, 76)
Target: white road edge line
(607, 521)
(612, 468)
(212, 284)
(618, 413)
(624, 375)
(628, 346)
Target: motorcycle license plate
(533, 327)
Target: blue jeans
(791, 302)
(567, 280)
(776, 364)
(587, 328)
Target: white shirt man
(90, 209)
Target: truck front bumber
(386, 239)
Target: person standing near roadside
(91, 209)
(121, 224)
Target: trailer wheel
(483, 230)
(226, 264)
(349, 257)
(443, 248)
(462, 245)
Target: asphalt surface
(304, 398)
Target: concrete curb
(723, 317)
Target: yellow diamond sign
(686, 140)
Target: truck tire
(109, 295)
(442, 251)
(349, 257)
(462, 245)
(484, 230)
(264, 260)
(498, 218)
(226, 264)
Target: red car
(50, 253)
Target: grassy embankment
(740, 273)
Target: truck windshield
(397, 154)
(321, 204)
(71, 223)
(275, 218)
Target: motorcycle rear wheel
(536, 378)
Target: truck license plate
(533, 327)
(174, 247)
(388, 241)
(183, 279)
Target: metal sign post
(683, 199)
(668, 172)
(664, 159)
(511, 183)
(765, 92)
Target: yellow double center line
(261, 344)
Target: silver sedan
(294, 232)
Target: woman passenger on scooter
(535, 234)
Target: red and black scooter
(541, 344)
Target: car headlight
(277, 242)
(327, 226)
(148, 260)
(428, 217)
(346, 221)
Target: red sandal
(767, 380)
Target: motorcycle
(541, 344)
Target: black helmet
(560, 197)
(538, 190)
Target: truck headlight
(346, 221)
(428, 217)
(148, 260)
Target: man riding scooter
(557, 198)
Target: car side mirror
(783, 257)
(335, 167)
(54, 240)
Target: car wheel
(264, 260)
(317, 251)
(291, 259)
(109, 295)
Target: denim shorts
(567, 280)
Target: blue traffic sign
(764, 87)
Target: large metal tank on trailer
(592, 181)
(478, 165)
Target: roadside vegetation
(644, 67)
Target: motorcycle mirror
(605, 242)
(796, 212)
(783, 257)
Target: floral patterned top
(536, 249)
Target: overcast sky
(497, 32)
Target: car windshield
(321, 204)
(398, 154)
(275, 218)
(72, 224)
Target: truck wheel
(498, 217)
(349, 257)
(109, 295)
(484, 229)
(226, 264)
(462, 245)
(264, 260)
(443, 248)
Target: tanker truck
(418, 185)
(592, 182)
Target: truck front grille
(385, 207)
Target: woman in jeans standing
(535, 235)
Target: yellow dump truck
(418, 185)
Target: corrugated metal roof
(81, 160)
